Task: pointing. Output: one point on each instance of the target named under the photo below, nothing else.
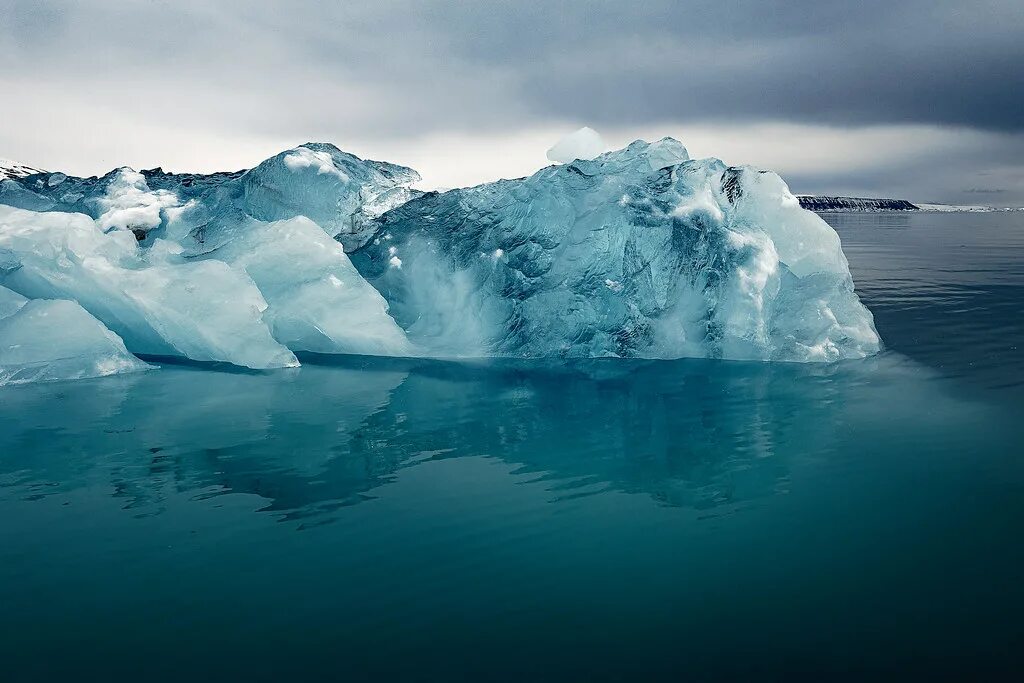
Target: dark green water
(403, 520)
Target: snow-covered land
(13, 169)
(639, 252)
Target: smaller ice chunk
(129, 204)
(301, 158)
(14, 193)
(48, 340)
(584, 143)
(316, 299)
(338, 191)
(120, 200)
(666, 152)
(160, 304)
(10, 302)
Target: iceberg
(640, 252)
(43, 340)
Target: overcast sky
(917, 98)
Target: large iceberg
(640, 252)
(44, 340)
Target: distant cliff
(826, 204)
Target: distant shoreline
(829, 204)
(835, 204)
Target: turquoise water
(365, 519)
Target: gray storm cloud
(390, 75)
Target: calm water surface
(405, 520)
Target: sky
(916, 99)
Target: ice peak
(666, 152)
(584, 143)
(659, 154)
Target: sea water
(371, 519)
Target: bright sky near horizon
(915, 99)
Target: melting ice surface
(640, 252)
